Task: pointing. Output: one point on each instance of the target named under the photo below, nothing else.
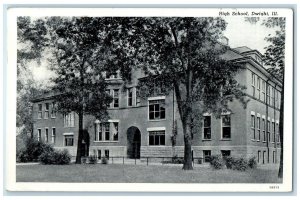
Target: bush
(51, 157)
(229, 162)
(176, 160)
(252, 163)
(32, 150)
(240, 164)
(104, 161)
(217, 162)
(92, 160)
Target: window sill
(156, 120)
(264, 141)
(108, 141)
(257, 140)
(206, 139)
(225, 139)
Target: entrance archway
(133, 142)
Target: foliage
(32, 150)
(252, 163)
(240, 164)
(55, 157)
(183, 54)
(217, 162)
(229, 162)
(92, 159)
(104, 160)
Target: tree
(274, 58)
(181, 54)
(80, 57)
(29, 49)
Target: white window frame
(150, 131)
(258, 123)
(204, 156)
(253, 126)
(53, 136)
(263, 90)
(253, 84)
(156, 99)
(46, 135)
(68, 121)
(263, 119)
(203, 127)
(132, 97)
(39, 135)
(258, 86)
(224, 114)
(64, 139)
(101, 130)
(114, 98)
(46, 112)
(53, 111)
(40, 112)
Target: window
(268, 94)
(99, 154)
(53, 110)
(274, 157)
(106, 152)
(207, 127)
(113, 75)
(40, 109)
(272, 96)
(263, 125)
(156, 137)
(46, 135)
(278, 136)
(263, 90)
(157, 109)
(206, 155)
(69, 140)
(269, 127)
(273, 131)
(115, 131)
(226, 130)
(225, 153)
(130, 97)
(53, 135)
(107, 131)
(115, 98)
(258, 156)
(46, 116)
(253, 84)
(253, 126)
(258, 87)
(39, 136)
(258, 128)
(137, 96)
(69, 119)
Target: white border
(11, 107)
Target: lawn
(115, 173)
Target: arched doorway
(133, 142)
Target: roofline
(260, 68)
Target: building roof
(242, 49)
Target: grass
(114, 173)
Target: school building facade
(140, 127)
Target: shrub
(22, 156)
(217, 162)
(240, 164)
(252, 163)
(176, 160)
(51, 156)
(104, 161)
(32, 150)
(92, 160)
(229, 162)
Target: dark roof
(242, 49)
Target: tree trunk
(187, 165)
(280, 171)
(80, 137)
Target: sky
(239, 33)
